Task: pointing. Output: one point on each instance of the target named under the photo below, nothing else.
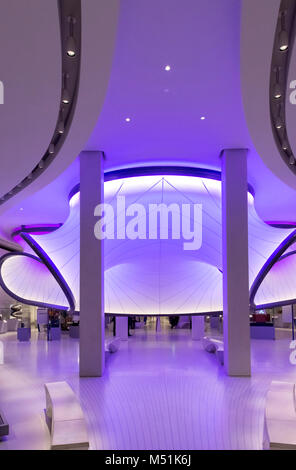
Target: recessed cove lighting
(167, 68)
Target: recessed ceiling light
(277, 91)
(70, 45)
(127, 119)
(21, 208)
(284, 41)
(167, 68)
(202, 118)
(51, 149)
(283, 38)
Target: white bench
(214, 346)
(112, 344)
(280, 417)
(67, 424)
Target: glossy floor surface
(160, 391)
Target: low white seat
(112, 344)
(67, 424)
(216, 346)
(280, 417)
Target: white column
(237, 359)
(92, 332)
(287, 314)
(198, 327)
(122, 328)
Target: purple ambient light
(157, 277)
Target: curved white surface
(31, 280)
(258, 25)
(165, 126)
(30, 59)
(99, 21)
(279, 284)
(158, 276)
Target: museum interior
(147, 225)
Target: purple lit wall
(155, 276)
(279, 284)
(29, 281)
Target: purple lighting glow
(157, 276)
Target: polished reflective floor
(160, 391)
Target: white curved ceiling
(259, 21)
(31, 72)
(30, 58)
(200, 40)
(153, 275)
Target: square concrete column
(198, 327)
(235, 262)
(122, 328)
(92, 314)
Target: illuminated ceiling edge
(12, 294)
(66, 111)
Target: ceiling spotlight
(128, 119)
(65, 94)
(285, 145)
(61, 127)
(283, 41)
(283, 38)
(292, 160)
(71, 46)
(278, 121)
(19, 185)
(41, 164)
(21, 208)
(51, 149)
(167, 68)
(30, 176)
(202, 118)
(277, 90)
